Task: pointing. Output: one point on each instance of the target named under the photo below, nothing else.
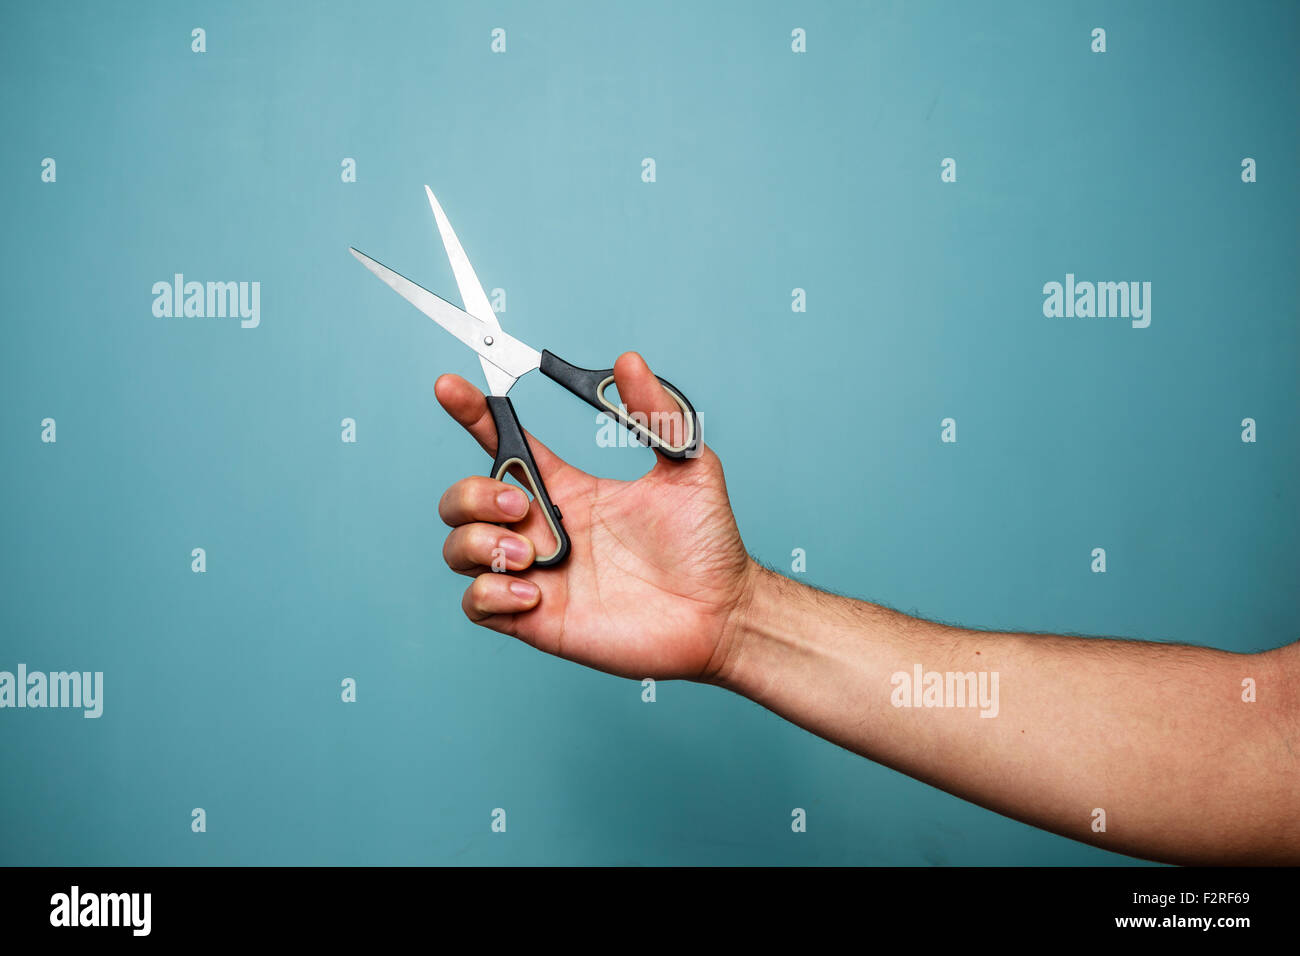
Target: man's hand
(657, 567)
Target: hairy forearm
(1155, 736)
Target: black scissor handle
(512, 449)
(590, 384)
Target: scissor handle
(512, 449)
(590, 385)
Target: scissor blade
(471, 290)
(500, 350)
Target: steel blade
(500, 350)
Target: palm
(656, 567)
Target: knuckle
(452, 547)
(472, 602)
(486, 496)
(479, 542)
(478, 496)
(481, 590)
(447, 504)
(470, 547)
(461, 501)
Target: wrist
(735, 626)
(765, 616)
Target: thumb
(647, 401)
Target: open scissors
(506, 359)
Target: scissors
(506, 359)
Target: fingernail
(525, 590)
(516, 549)
(512, 501)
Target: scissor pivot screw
(487, 340)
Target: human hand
(657, 568)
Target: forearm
(1155, 735)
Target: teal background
(775, 171)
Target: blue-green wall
(775, 171)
